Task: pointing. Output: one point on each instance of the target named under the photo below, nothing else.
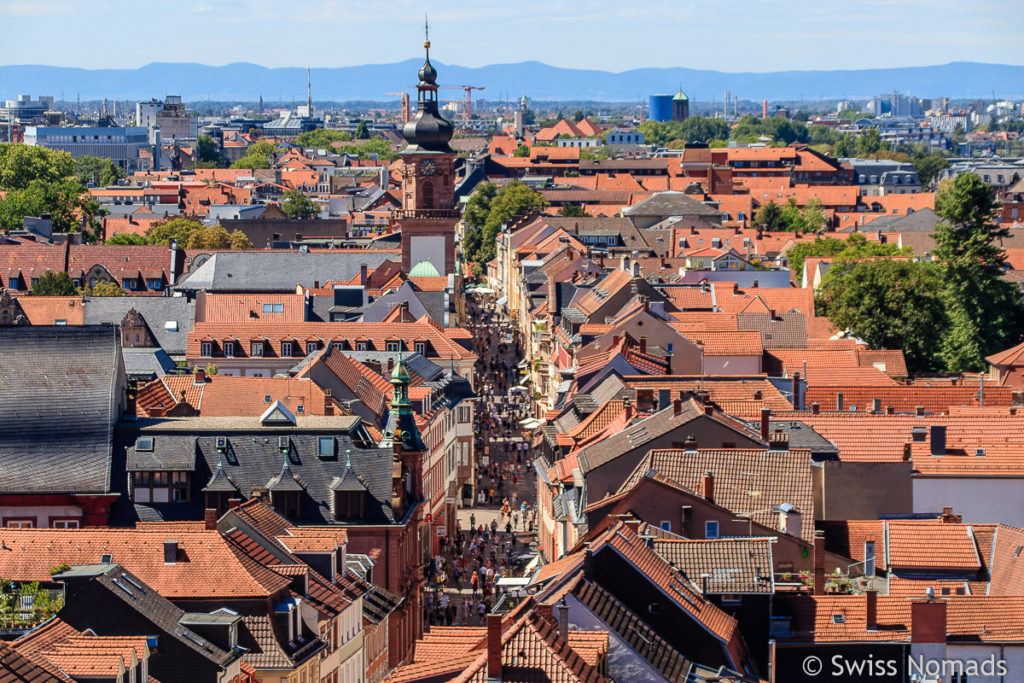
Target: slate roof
(156, 311)
(641, 637)
(254, 460)
(277, 271)
(779, 477)
(671, 204)
(151, 604)
(62, 388)
(735, 565)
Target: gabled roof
(209, 567)
(735, 565)
(664, 204)
(779, 477)
(63, 390)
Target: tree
(522, 151)
(985, 310)
(209, 154)
(20, 165)
(126, 238)
(853, 248)
(239, 240)
(322, 138)
(103, 288)
(845, 147)
(97, 171)
(889, 304)
(813, 215)
(362, 131)
(768, 216)
(573, 211)
(209, 237)
(180, 229)
(870, 142)
(529, 117)
(54, 284)
(928, 167)
(297, 205)
(790, 218)
(257, 155)
(577, 116)
(488, 209)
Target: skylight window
(144, 443)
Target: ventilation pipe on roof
(707, 486)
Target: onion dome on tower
(428, 131)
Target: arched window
(427, 195)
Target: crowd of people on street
(463, 580)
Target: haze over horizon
(762, 36)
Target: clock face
(427, 167)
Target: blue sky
(727, 35)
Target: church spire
(428, 131)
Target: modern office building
(120, 145)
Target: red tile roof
(209, 566)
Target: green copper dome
(424, 269)
(680, 95)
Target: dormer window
(421, 348)
(286, 503)
(229, 349)
(312, 347)
(361, 346)
(256, 349)
(206, 349)
(286, 348)
(393, 346)
(349, 505)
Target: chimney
(552, 295)
(938, 439)
(210, 517)
(234, 503)
(677, 406)
(316, 284)
(691, 443)
(172, 246)
(563, 621)
(819, 563)
(948, 517)
(200, 376)
(766, 416)
(790, 521)
(494, 646)
(928, 621)
(758, 395)
(129, 404)
(707, 486)
(328, 403)
(890, 410)
(839, 400)
(779, 441)
(362, 274)
(588, 564)
(156, 411)
(546, 612)
(627, 408)
(815, 408)
(871, 610)
(919, 411)
(643, 341)
(796, 391)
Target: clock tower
(428, 214)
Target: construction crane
(467, 103)
(405, 104)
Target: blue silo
(660, 108)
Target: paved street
(496, 532)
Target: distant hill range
(246, 82)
